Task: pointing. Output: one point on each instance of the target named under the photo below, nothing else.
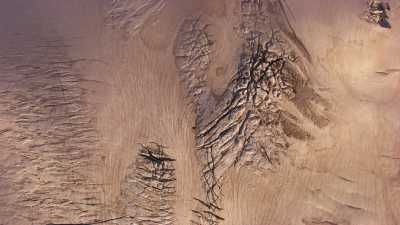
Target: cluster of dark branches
(149, 187)
(247, 128)
(192, 57)
(377, 12)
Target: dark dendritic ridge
(248, 125)
(149, 187)
(247, 129)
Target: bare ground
(84, 83)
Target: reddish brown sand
(80, 89)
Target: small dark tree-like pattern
(149, 187)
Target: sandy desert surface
(211, 112)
